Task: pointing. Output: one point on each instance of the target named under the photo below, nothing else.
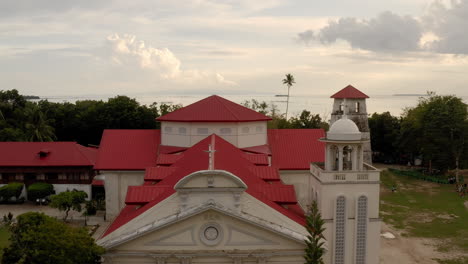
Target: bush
(39, 190)
(10, 190)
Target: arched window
(340, 230)
(347, 158)
(334, 157)
(361, 230)
(356, 109)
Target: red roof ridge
(349, 92)
(214, 109)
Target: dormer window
(168, 129)
(202, 131)
(43, 153)
(225, 131)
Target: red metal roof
(227, 157)
(295, 149)
(266, 173)
(158, 173)
(168, 159)
(163, 149)
(284, 194)
(26, 154)
(125, 149)
(262, 149)
(257, 159)
(349, 92)
(214, 109)
(143, 194)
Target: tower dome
(344, 129)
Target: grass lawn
(424, 209)
(4, 236)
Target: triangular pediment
(210, 230)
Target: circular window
(211, 234)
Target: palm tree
(289, 81)
(37, 126)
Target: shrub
(10, 190)
(39, 190)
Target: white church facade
(214, 185)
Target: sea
(316, 104)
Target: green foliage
(83, 121)
(385, 133)
(40, 239)
(91, 207)
(314, 244)
(437, 128)
(67, 201)
(10, 190)
(39, 190)
(303, 120)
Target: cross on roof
(344, 106)
(211, 152)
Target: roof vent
(43, 153)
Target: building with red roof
(65, 165)
(214, 185)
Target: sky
(110, 47)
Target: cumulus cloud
(449, 25)
(127, 51)
(442, 29)
(386, 32)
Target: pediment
(210, 179)
(210, 230)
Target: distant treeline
(83, 121)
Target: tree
(40, 239)
(437, 128)
(289, 81)
(307, 120)
(37, 125)
(385, 133)
(314, 243)
(67, 201)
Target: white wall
(116, 184)
(238, 136)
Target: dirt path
(407, 250)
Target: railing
(368, 174)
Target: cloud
(128, 52)
(386, 32)
(441, 29)
(448, 23)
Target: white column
(355, 158)
(328, 158)
(340, 158)
(361, 158)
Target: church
(215, 185)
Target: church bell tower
(355, 102)
(346, 189)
